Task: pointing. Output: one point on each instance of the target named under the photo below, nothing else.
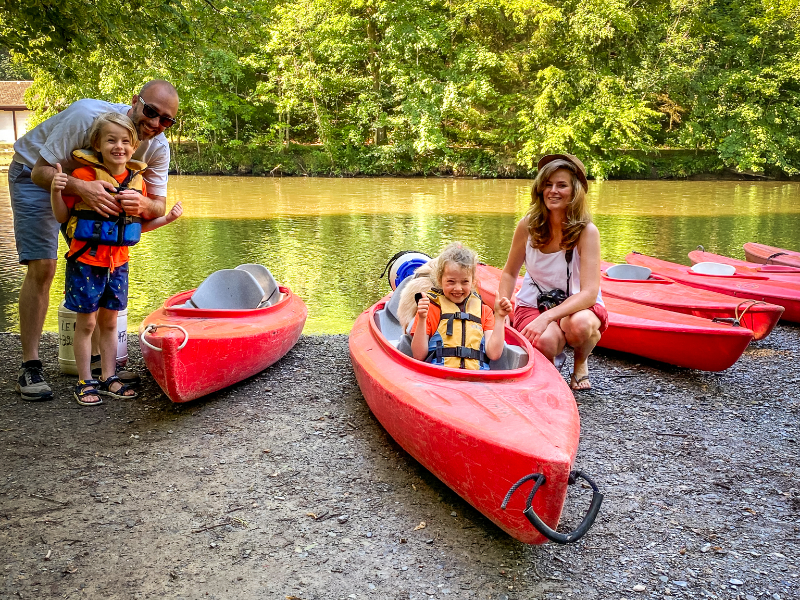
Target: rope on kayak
(737, 320)
(776, 255)
(541, 527)
(152, 328)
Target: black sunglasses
(152, 113)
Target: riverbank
(235, 158)
(285, 486)
(313, 160)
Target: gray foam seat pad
(228, 289)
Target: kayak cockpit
(387, 322)
(246, 287)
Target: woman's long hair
(577, 217)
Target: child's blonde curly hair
(456, 253)
(429, 276)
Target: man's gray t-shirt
(56, 138)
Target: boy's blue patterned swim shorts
(89, 288)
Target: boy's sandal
(121, 392)
(86, 392)
(129, 377)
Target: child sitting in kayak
(96, 280)
(460, 331)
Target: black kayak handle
(541, 526)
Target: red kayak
(192, 352)
(664, 293)
(754, 286)
(760, 253)
(671, 337)
(477, 431)
(776, 272)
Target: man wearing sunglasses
(153, 110)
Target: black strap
(461, 352)
(126, 181)
(568, 257)
(461, 316)
(86, 247)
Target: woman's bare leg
(551, 342)
(582, 332)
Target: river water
(329, 239)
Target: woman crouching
(559, 302)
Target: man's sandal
(85, 390)
(123, 392)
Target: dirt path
(285, 486)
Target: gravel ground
(285, 486)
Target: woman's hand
(536, 328)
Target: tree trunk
(379, 132)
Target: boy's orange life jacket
(87, 225)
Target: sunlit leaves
(410, 80)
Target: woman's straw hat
(581, 170)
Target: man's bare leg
(34, 298)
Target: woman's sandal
(574, 383)
(121, 392)
(85, 389)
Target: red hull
(754, 286)
(477, 431)
(666, 294)
(662, 335)
(774, 272)
(760, 253)
(224, 346)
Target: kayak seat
(404, 345)
(228, 289)
(513, 357)
(272, 293)
(387, 319)
(628, 272)
(713, 268)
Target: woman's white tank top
(549, 271)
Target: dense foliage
(468, 86)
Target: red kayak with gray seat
(725, 279)
(639, 284)
(483, 433)
(235, 324)
(743, 267)
(663, 335)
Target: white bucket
(405, 265)
(66, 337)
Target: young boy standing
(96, 279)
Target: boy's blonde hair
(96, 130)
(460, 255)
